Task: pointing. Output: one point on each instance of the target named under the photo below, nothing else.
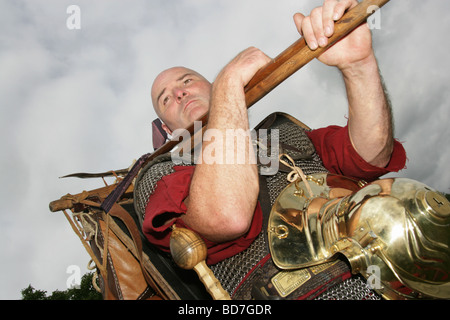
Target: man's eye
(187, 81)
(166, 99)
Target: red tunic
(338, 155)
(333, 146)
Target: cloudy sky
(76, 100)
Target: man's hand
(319, 26)
(243, 67)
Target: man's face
(180, 96)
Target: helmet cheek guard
(395, 232)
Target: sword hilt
(189, 252)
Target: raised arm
(223, 195)
(370, 119)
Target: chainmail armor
(147, 179)
(354, 288)
(232, 271)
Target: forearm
(370, 118)
(223, 195)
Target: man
(220, 202)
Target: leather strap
(119, 212)
(124, 184)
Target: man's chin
(196, 114)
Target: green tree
(85, 292)
(30, 293)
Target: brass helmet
(399, 228)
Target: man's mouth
(187, 104)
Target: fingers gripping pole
(189, 252)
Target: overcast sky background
(78, 100)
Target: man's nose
(180, 94)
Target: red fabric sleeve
(166, 203)
(339, 156)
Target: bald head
(180, 96)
